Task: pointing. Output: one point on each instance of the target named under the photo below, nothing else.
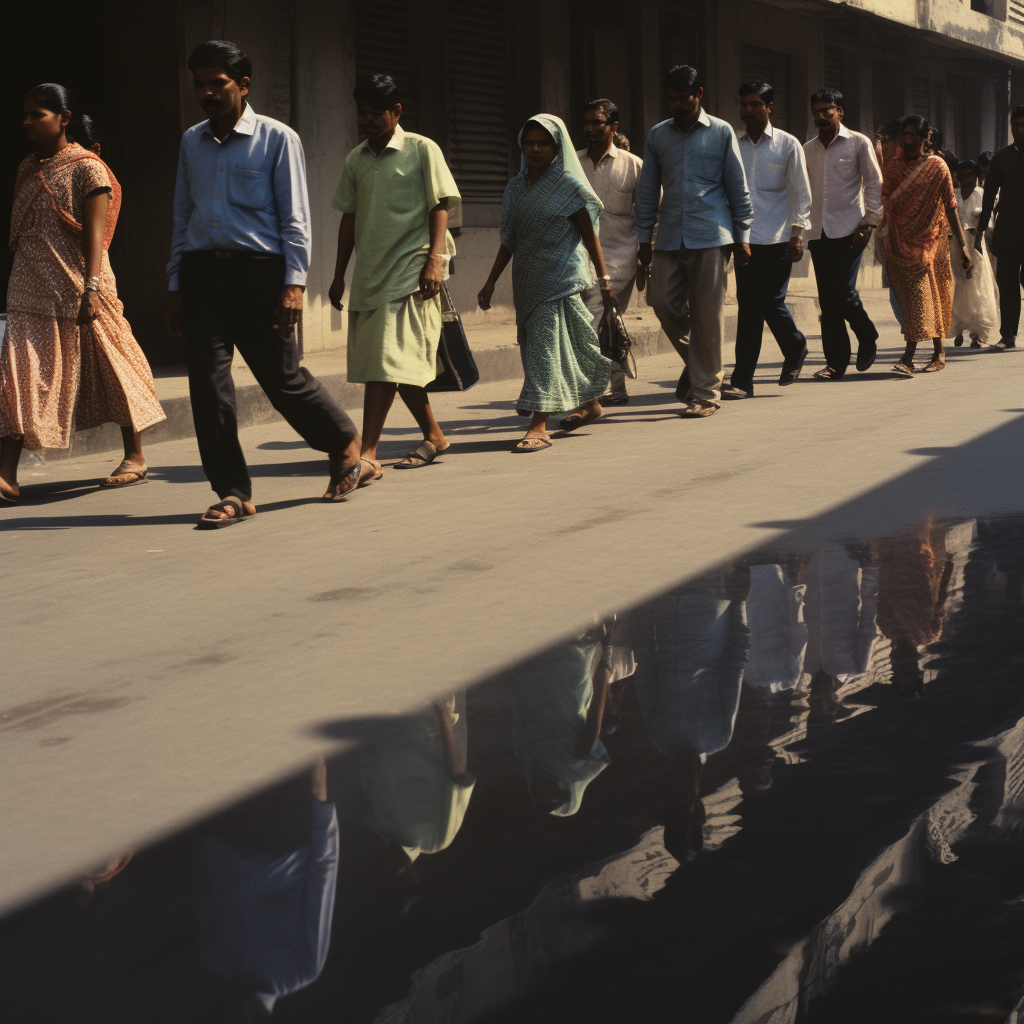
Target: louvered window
(921, 97)
(1015, 13)
(881, 96)
(760, 65)
(478, 143)
(833, 67)
(383, 46)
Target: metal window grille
(760, 65)
(478, 144)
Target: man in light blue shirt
(693, 162)
(239, 257)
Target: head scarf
(550, 260)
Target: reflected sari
(915, 197)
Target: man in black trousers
(1006, 181)
(239, 258)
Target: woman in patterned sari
(548, 220)
(920, 211)
(69, 360)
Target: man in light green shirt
(394, 196)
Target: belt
(248, 254)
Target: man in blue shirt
(705, 214)
(239, 257)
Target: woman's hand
(336, 291)
(966, 262)
(431, 277)
(483, 298)
(90, 308)
(608, 294)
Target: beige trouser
(595, 305)
(688, 288)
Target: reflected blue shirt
(247, 192)
(705, 202)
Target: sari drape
(56, 376)
(915, 197)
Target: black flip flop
(8, 499)
(241, 514)
(866, 362)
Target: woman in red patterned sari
(920, 211)
(69, 359)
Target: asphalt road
(153, 672)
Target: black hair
(536, 125)
(54, 97)
(621, 141)
(919, 124)
(219, 53)
(379, 91)
(935, 137)
(966, 166)
(952, 160)
(683, 79)
(609, 109)
(1017, 114)
(891, 128)
(762, 89)
(828, 95)
(986, 157)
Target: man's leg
(835, 341)
(1008, 280)
(206, 289)
(272, 356)
(617, 383)
(749, 321)
(706, 270)
(774, 286)
(669, 296)
(853, 309)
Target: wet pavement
(788, 789)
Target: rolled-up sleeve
(182, 215)
(872, 176)
(648, 192)
(799, 188)
(292, 208)
(735, 180)
(438, 182)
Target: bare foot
(10, 492)
(581, 417)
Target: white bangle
(605, 277)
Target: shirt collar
(702, 118)
(245, 125)
(397, 141)
(844, 132)
(613, 152)
(768, 132)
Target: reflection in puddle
(788, 790)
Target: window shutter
(921, 97)
(760, 65)
(833, 67)
(478, 144)
(1015, 13)
(382, 47)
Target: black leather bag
(615, 341)
(456, 367)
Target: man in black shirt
(1006, 179)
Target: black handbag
(456, 367)
(616, 343)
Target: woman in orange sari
(920, 210)
(69, 359)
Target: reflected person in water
(558, 703)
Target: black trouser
(1008, 280)
(228, 302)
(835, 267)
(761, 294)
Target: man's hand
(90, 308)
(483, 298)
(289, 307)
(431, 277)
(860, 237)
(336, 291)
(172, 315)
(644, 254)
(742, 251)
(796, 249)
(608, 295)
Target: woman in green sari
(548, 221)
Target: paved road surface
(153, 672)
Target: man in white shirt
(846, 206)
(780, 193)
(613, 174)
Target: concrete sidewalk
(492, 337)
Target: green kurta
(393, 334)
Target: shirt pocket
(404, 191)
(771, 176)
(249, 189)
